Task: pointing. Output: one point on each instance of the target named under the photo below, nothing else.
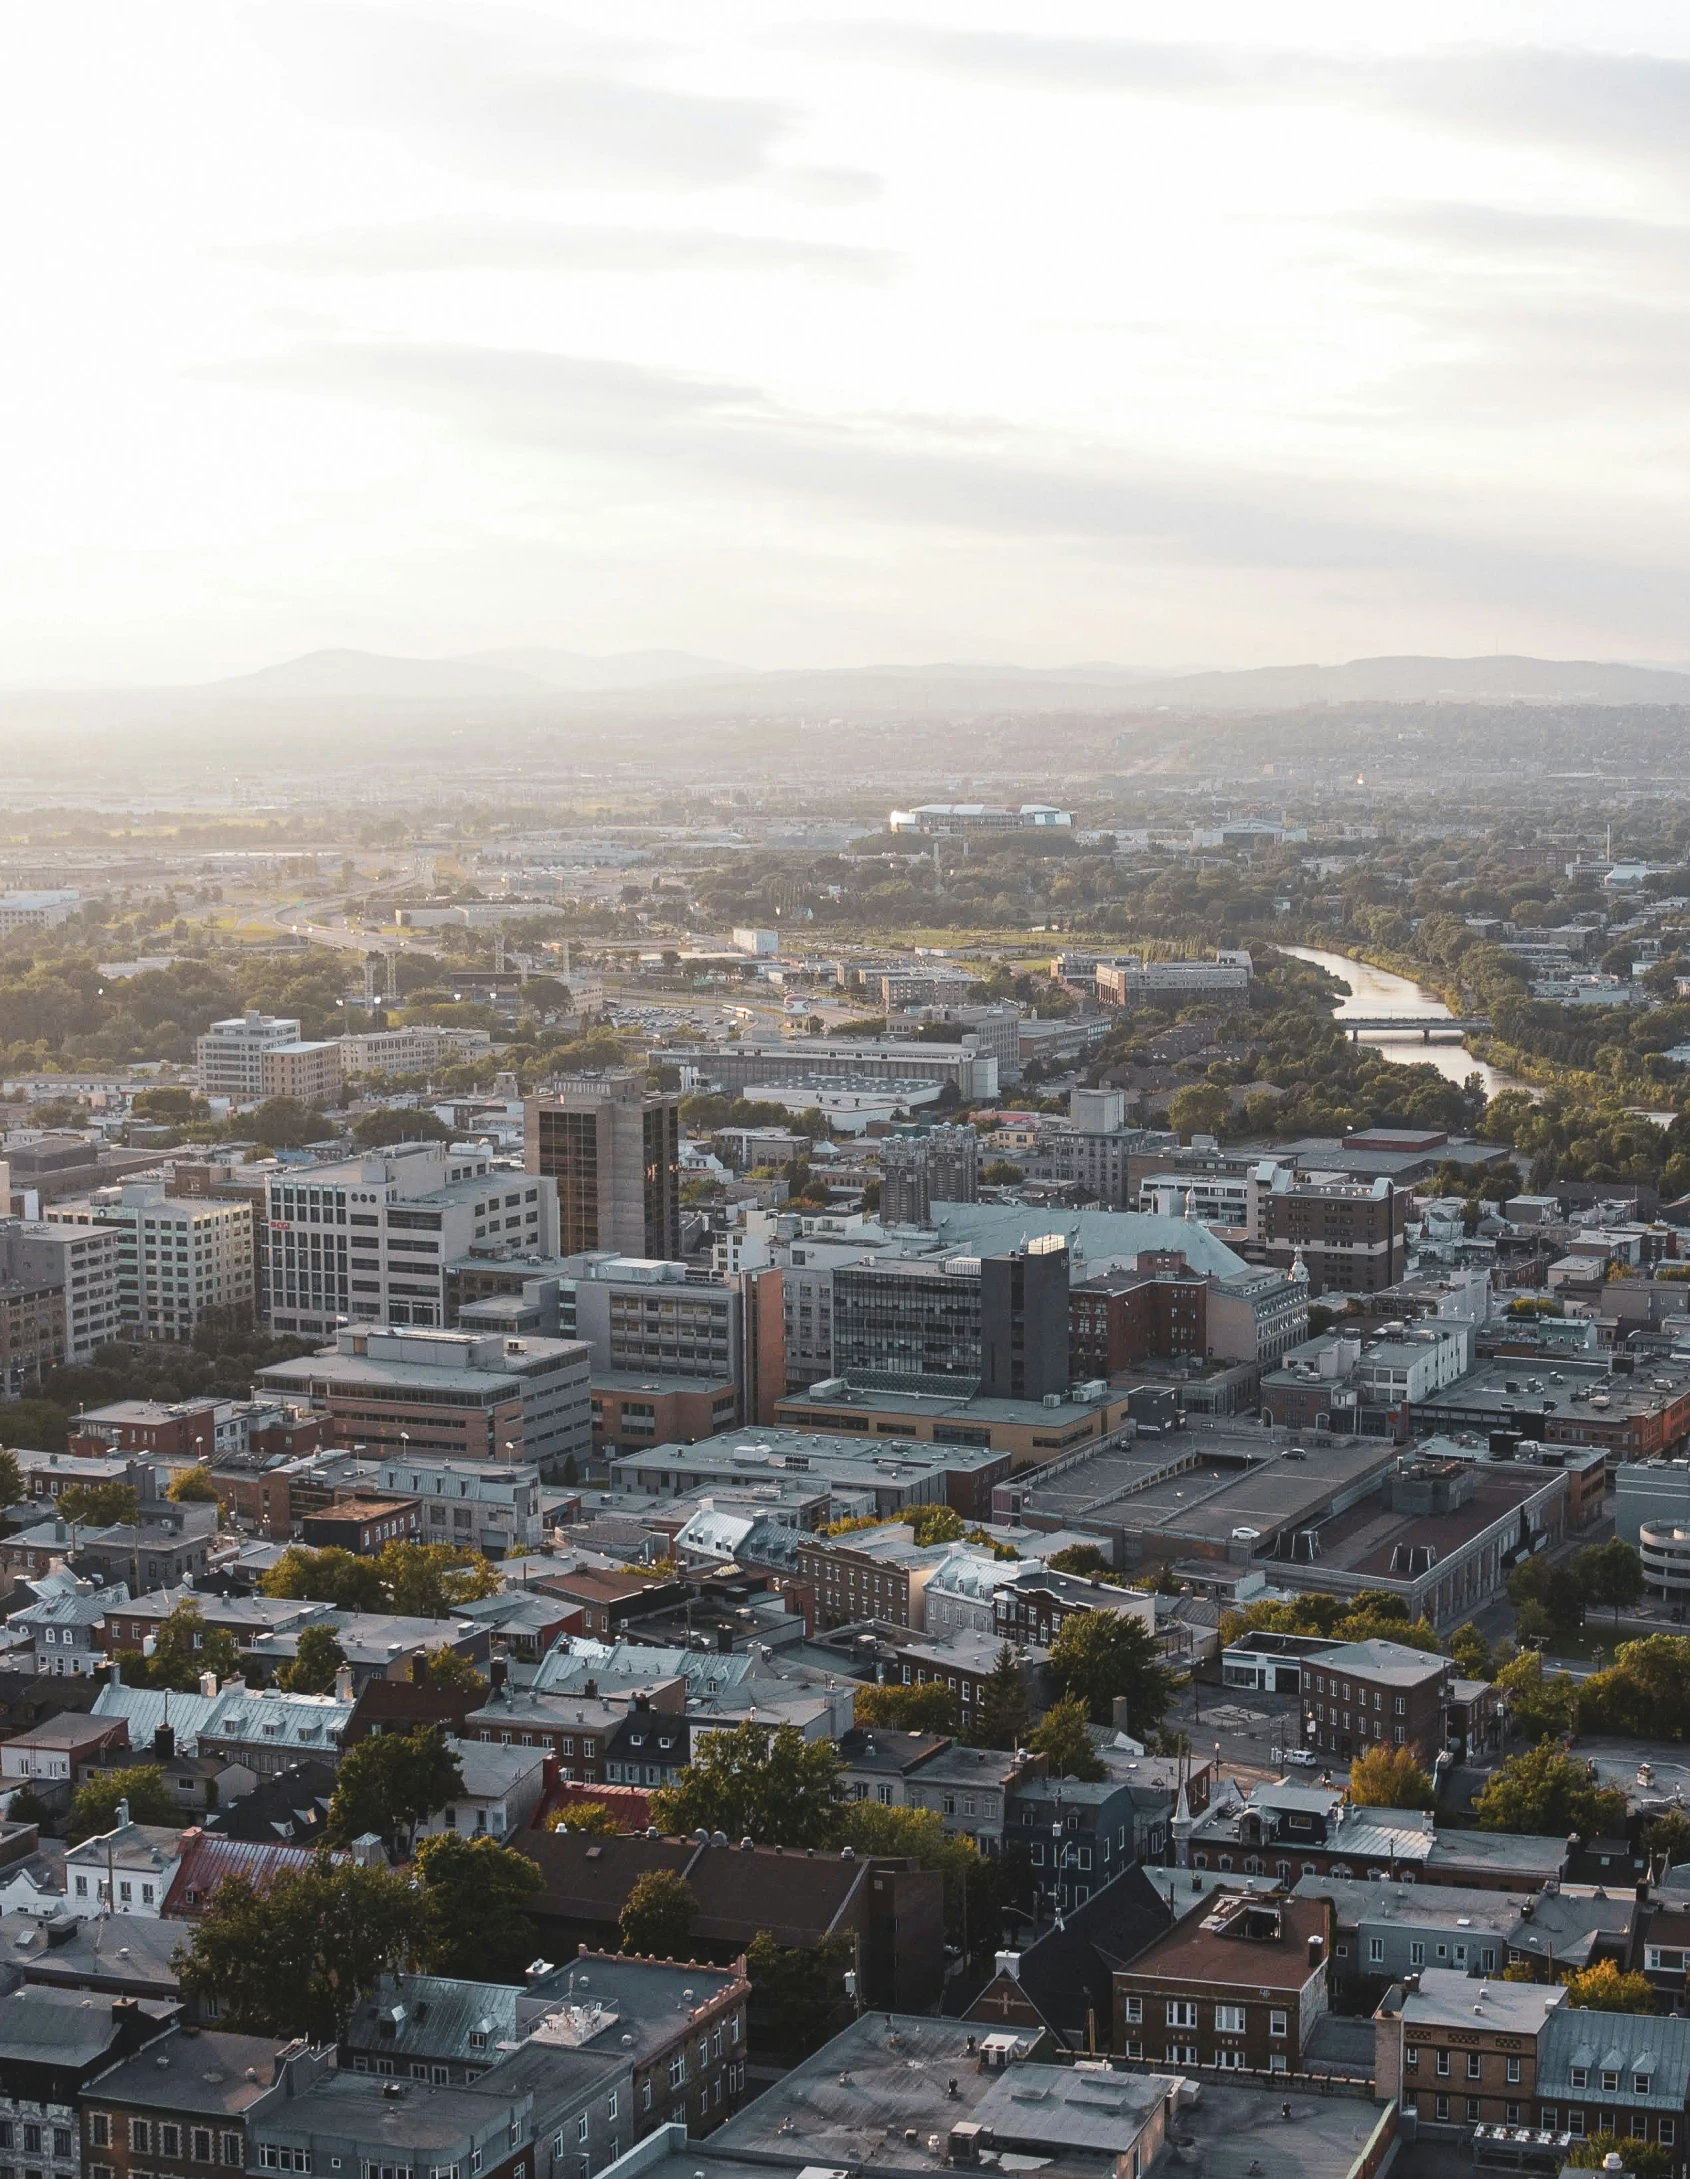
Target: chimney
(208, 1684)
(1009, 1963)
(498, 1671)
(1317, 1950)
(343, 1684)
(164, 1743)
(123, 1815)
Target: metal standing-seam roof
(1653, 2044)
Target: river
(1380, 991)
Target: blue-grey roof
(1657, 2044)
(993, 1229)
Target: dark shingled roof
(797, 1896)
(1071, 1967)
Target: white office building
(177, 1256)
(368, 1241)
(230, 1056)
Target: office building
(1024, 1321)
(369, 1240)
(411, 1050)
(230, 1056)
(946, 819)
(1348, 1234)
(58, 1298)
(306, 1072)
(457, 1395)
(1156, 1309)
(847, 1064)
(613, 1148)
(916, 1171)
(177, 1256)
(1131, 981)
(43, 911)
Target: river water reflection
(1381, 991)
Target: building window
(141, 2133)
(1443, 2065)
(99, 2131)
(1475, 2066)
(1376, 1949)
(1229, 2020)
(1472, 2110)
(1513, 2072)
(1276, 2023)
(1441, 2107)
(1134, 2013)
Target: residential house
(1063, 1983)
(1240, 1985)
(1376, 1694)
(1462, 2054)
(126, 1870)
(189, 2100)
(51, 2043)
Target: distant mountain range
(336, 704)
(679, 680)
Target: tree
(99, 1505)
(658, 1915)
(1665, 1839)
(1646, 1691)
(592, 1817)
(1198, 1109)
(475, 1895)
(1084, 1559)
(935, 1524)
(1610, 1573)
(919, 1835)
(777, 1788)
(1389, 1778)
(1539, 1703)
(1647, 2159)
(392, 1123)
(1061, 1737)
(318, 1656)
(799, 1990)
(1550, 1794)
(193, 1487)
(1098, 1656)
(329, 1576)
(928, 1709)
(389, 1784)
(11, 1478)
(1471, 1652)
(94, 1810)
(297, 1958)
(1604, 1987)
(283, 1123)
(427, 1580)
(1001, 1173)
(444, 1667)
(1000, 1716)
(27, 1806)
(184, 1647)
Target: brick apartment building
(1156, 1312)
(188, 2102)
(871, 1573)
(1349, 1234)
(1239, 1986)
(1376, 1694)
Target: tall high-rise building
(1024, 1321)
(917, 1171)
(613, 1147)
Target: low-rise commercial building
(451, 1394)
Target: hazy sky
(792, 334)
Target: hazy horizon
(793, 341)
